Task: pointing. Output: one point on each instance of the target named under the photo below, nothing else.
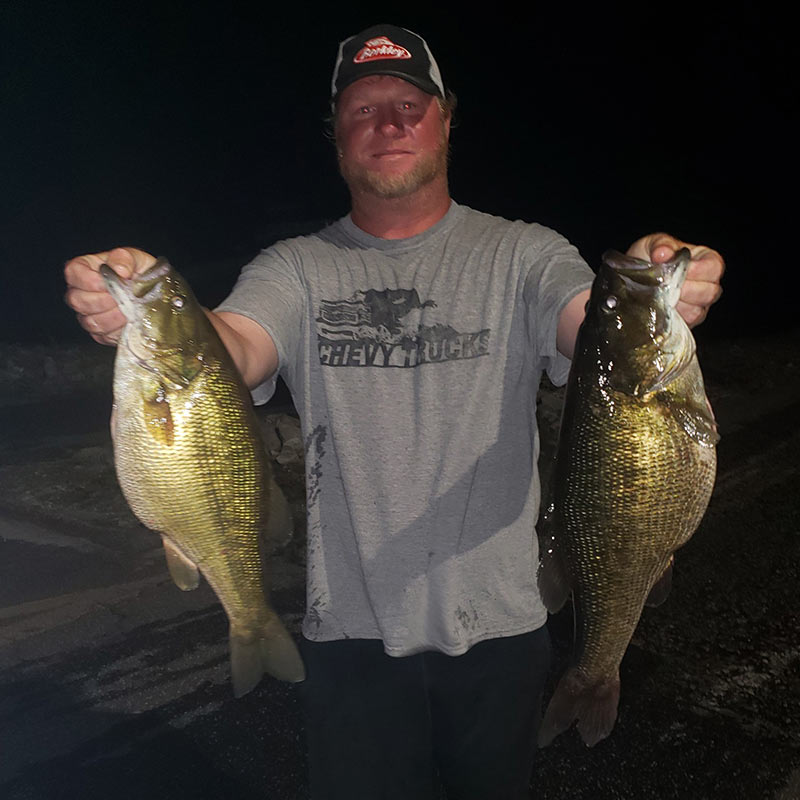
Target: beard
(360, 178)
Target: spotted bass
(191, 463)
(635, 467)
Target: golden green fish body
(190, 467)
(634, 488)
(191, 463)
(634, 472)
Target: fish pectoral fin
(158, 416)
(697, 421)
(554, 586)
(183, 571)
(269, 650)
(661, 588)
(280, 524)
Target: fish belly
(197, 473)
(636, 490)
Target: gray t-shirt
(414, 366)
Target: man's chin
(387, 186)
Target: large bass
(635, 467)
(191, 463)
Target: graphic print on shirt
(383, 328)
(314, 451)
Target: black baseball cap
(386, 50)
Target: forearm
(250, 346)
(569, 322)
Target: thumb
(660, 247)
(128, 261)
(663, 251)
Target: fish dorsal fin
(183, 571)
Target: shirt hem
(400, 652)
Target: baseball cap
(386, 50)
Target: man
(412, 334)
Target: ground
(115, 683)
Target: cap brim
(427, 86)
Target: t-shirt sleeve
(270, 292)
(556, 274)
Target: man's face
(391, 136)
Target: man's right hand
(88, 296)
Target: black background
(196, 131)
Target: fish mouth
(134, 294)
(662, 345)
(638, 274)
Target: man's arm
(700, 290)
(251, 347)
(569, 322)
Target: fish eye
(611, 302)
(177, 301)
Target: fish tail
(270, 650)
(593, 705)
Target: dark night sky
(194, 130)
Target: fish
(634, 470)
(192, 466)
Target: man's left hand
(702, 286)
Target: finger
(104, 327)
(661, 247)
(85, 302)
(692, 314)
(708, 265)
(656, 247)
(112, 340)
(127, 261)
(695, 300)
(83, 272)
(700, 293)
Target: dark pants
(384, 728)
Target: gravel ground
(112, 682)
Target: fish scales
(191, 463)
(227, 494)
(634, 472)
(630, 501)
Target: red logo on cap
(380, 47)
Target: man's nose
(389, 122)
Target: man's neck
(401, 217)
